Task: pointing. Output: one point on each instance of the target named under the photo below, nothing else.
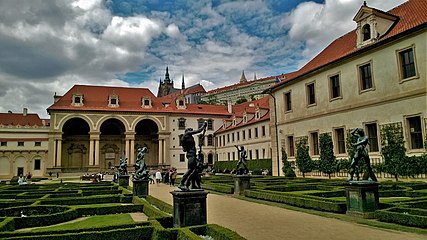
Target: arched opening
(210, 159)
(147, 134)
(366, 30)
(75, 142)
(111, 143)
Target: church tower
(165, 86)
(243, 78)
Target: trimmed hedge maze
(401, 203)
(37, 206)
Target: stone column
(96, 152)
(59, 152)
(127, 155)
(55, 161)
(91, 152)
(161, 151)
(132, 152)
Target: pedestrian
(173, 177)
(57, 175)
(158, 176)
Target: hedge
(45, 220)
(143, 233)
(251, 164)
(104, 210)
(298, 201)
(7, 224)
(149, 210)
(403, 216)
(165, 207)
(83, 200)
(216, 232)
(219, 188)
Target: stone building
(93, 126)
(248, 126)
(23, 144)
(370, 77)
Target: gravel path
(259, 221)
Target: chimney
(56, 98)
(25, 111)
(229, 108)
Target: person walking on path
(174, 173)
(158, 176)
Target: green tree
(287, 168)
(393, 150)
(327, 157)
(241, 100)
(303, 159)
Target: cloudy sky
(47, 46)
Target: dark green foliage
(404, 216)
(32, 210)
(149, 210)
(83, 200)
(219, 188)
(252, 164)
(165, 207)
(303, 159)
(287, 168)
(342, 165)
(104, 210)
(216, 232)
(299, 201)
(327, 157)
(393, 149)
(241, 100)
(7, 224)
(45, 220)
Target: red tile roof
(248, 107)
(15, 119)
(238, 85)
(190, 90)
(95, 98)
(412, 13)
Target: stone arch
(147, 134)
(71, 116)
(20, 166)
(112, 141)
(210, 160)
(4, 165)
(102, 120)
(75, 137)
(154, 119)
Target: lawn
(91, 222)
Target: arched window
(366, 30)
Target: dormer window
(366, 32)
(234, 121)
(180, 103)
(146, 102)
(77, 100)
(257, 114)
(113, 101)
(245, 118)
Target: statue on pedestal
(123, 167)
(361, 152)
(195, 164)
(141, 172)
(242, 160)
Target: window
(365, 76)
(219, 140)
(181, 103)
(223, 140)
(340, 140)
(234, 155)
(263, 131)
(228, 137)
(334, 84)
(256, 154)
(20, 144)
(181, 123)
(3, 144)
(249, 133)
(244, 134)
(37, 164)
(311, 97)
(228, 156)
(371, 130)
(256, 132)
(146, 102)
(291, 149)
(238, 136)
(182, 157)
(407, 63)
(263, 153)
(77, 99)
(200, 122)
(250, 154)
(288, 101)
(232, 137)
(37, 144)
(113, 101)
(415, 132)
(210, 140)
(366, 30)
(210, 124)
(314, 143)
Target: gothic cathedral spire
(243, 78)
(183, 83)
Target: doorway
(20, 171)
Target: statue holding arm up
(189, 146)
(361, 152)
(242, 160)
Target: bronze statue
(192, 176)
(242, 160)
(141, 172)
(123, 167)
(361, 152)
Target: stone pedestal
(362, 198)
(140, 188)
(241, 183)
(124, 181)
(189, 208)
